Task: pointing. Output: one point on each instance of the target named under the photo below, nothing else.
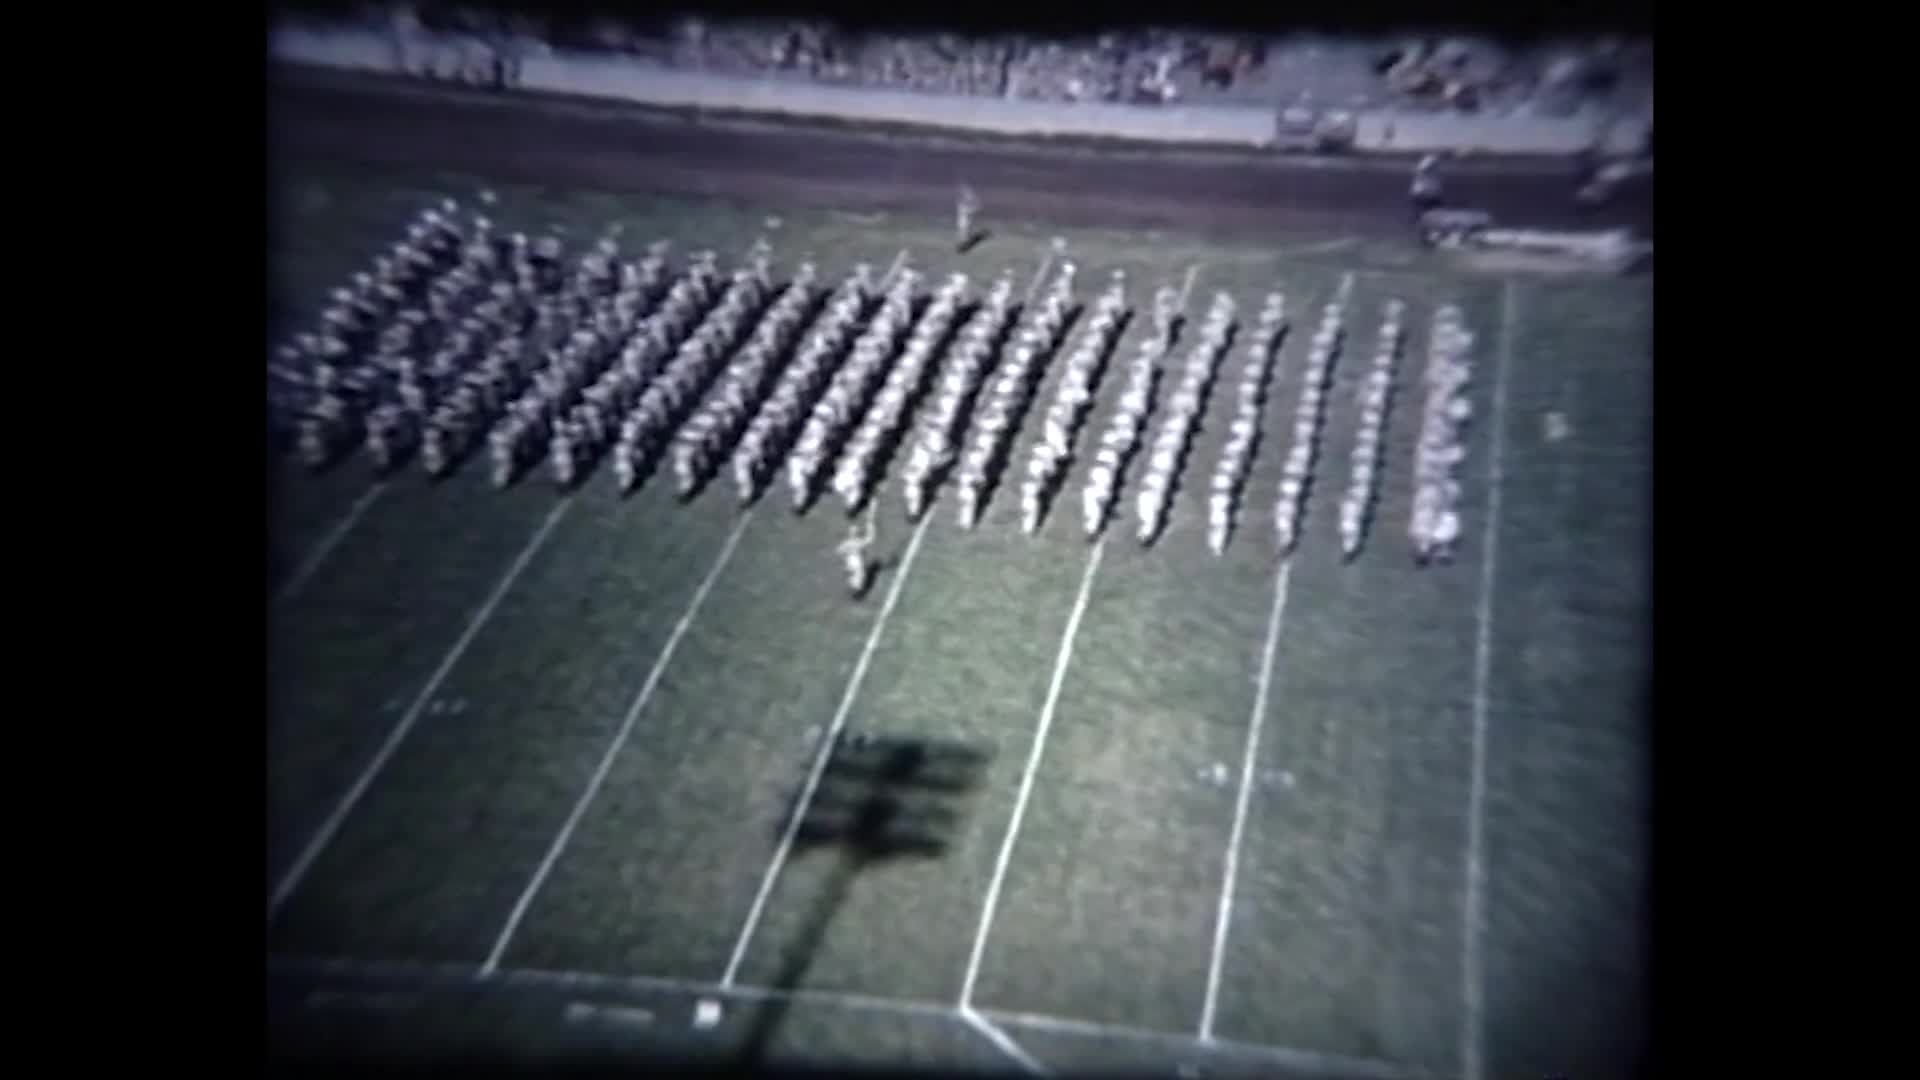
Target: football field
(542, 763)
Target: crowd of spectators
(1134, 67)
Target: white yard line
(613, 749)
(1245, 800)
(1472, 973)
(1004, 1042)
(1186, 287)
(989, 909)
(324, 835)
(411, 976)
(324, 547)
(886, 280)
(827, 743)
(1040, 275)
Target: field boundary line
(1003, 1042)
(619, 742)
(411, 974)
(327, 542)
(1243, 801)
(1315, 1061)
(991, 905)
(328, 828)
(1472, 971)
(827, 743)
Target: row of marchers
(462, 332)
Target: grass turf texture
(1348, 933)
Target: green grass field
(515, 633)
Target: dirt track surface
(381, 122)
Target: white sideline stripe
(325, 545)
(1472, 1054)
(827, 743)
(1244, 801)
(613, 749)
(1325, 247)
(1026, 780)
(1004, 1042)
(324, 835)
(1314, 1061)
(535, 978)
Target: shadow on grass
(880, 798)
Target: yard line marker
(1004, 1042)
(1472, 1053)
(324, 835)
(1026, 780)
(613, 750)
(1241, 805)
(413, 974)
(324, 547)
(820, 760)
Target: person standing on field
(853, 554)
(964, 210)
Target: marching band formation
(1356, 506)
(1007, 395)
(1189, 402)
(772, 430)
(861, 459)
(1435, 527)
(461, 334)
(1122, 437)
(1072, 400)
(1230, 476)
(940, 428)
(851, 390)
(1309, 417)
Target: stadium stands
(1295, 71)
